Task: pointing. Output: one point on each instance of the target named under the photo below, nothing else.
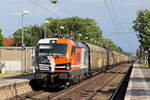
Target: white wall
(12, 66)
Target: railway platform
(15, 80)
(139, 83)
(14, 86)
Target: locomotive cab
(51, 57)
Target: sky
(115, 17)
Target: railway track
(109, 86)
(92, 88)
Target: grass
(9, 75)
(145, 64)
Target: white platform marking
(138, 88)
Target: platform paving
(15, 79)
(139, 83)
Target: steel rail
(27, 95)
(120, 84)
(105, 84)
(63, 92)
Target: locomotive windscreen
(52, 49)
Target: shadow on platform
(142, 67)
(28, 76)
(140, 79)
(138, 92)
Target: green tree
(85, 26)
(2, 43)
(31, 35)
(142, 27)
(84, 29)
(109, 44)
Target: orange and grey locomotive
(62, 61)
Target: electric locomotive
(61, 61)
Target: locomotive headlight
(68, 66)
(36, 67)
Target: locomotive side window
(86, 58)
(73, 50)
(78, 57)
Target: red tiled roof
(8, 41)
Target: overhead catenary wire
(49, 10)
(114, 11)
(124, 33)
(109, 12)
(43, 7)
(121, 38)
(140, 33)
(144, 35)
(66, 9)
(137, 23)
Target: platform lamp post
(91, 41)
(45, 25)
(61, 28)
(98, 43)
(80, 35)
(95, 41)
(101, 44)
(87, 38)
(24, 12)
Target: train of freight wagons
(61, 61)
